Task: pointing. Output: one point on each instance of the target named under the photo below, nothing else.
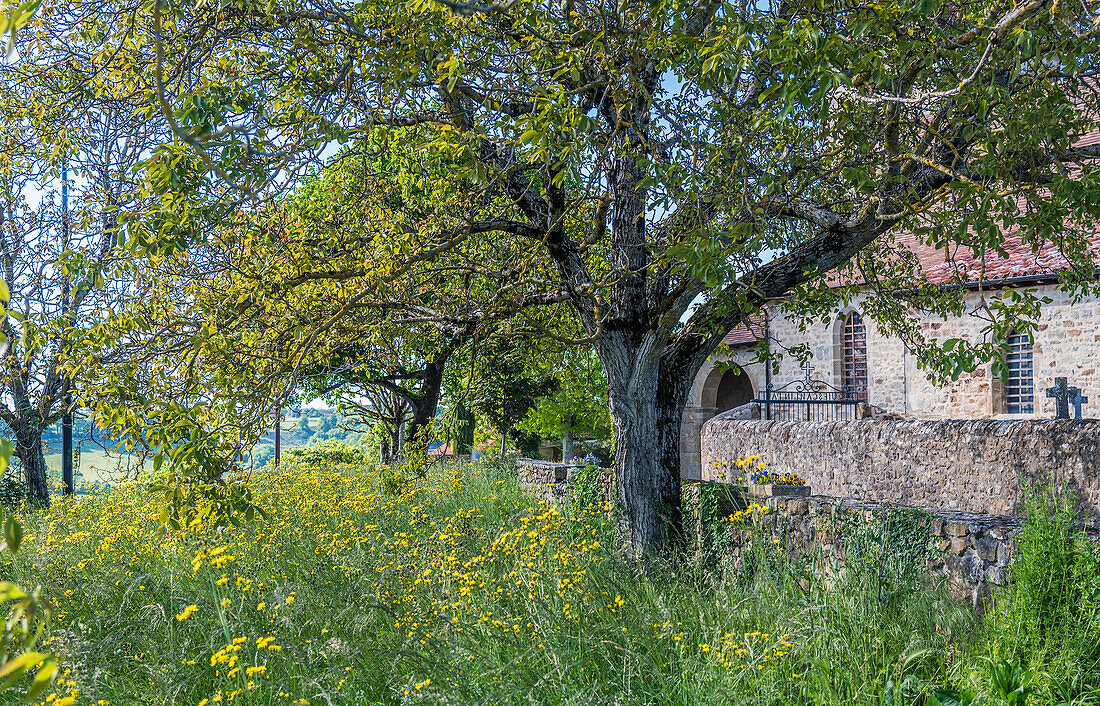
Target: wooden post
(67, 449)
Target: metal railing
(808, 400)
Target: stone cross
(809, 369)
(1077, 401)
(1063, 394)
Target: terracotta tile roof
(745, 333)
(1022, 260)
(961, 265)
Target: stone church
(852, 354)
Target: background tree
(57, 258)
(577, 409)
(391, 377)
(506, 390)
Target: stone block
(956, 529)
(798, 507)
(780, 491)
(957, 546)
(967, 568)
(987, 548)
(935, 527)
(996, 575)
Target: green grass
(458, 589)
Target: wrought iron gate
(808, 400)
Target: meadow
(377, 586)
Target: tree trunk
(632, 398)
(426, 403)
(647, 390)
(28, 448)
(567, 445)
(674, 383)
(503, 442)
(418, 435)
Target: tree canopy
(660, 167)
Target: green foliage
(328, 452)
(262, 454)
(464, 425)
(26, 619)
(640, 165)
(367, 567)
(1047, 618)
(363, 549)
(888, 551)
(709, 533)
(578, 405)
(586, 490)
(12, 488)
(222, 502)
(504, 467)
(507, 391)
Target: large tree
(66, 169)
(671, 165)
(577, 409)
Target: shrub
(1047, 617)
(585, 488)
(887, 552)
(12, 489)
(329, 452)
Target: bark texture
(28, 449)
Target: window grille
(855, 357)
(1020, 386)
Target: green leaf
(13, 534)
(11, 591)
(21, 663)
(42, 680)
(7, 449)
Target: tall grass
(456, 588)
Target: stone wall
(550, 481)
(971, 551)
(974, 466)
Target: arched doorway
(734, 390)
(718, 390)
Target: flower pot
(780, 491)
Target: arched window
(855, 356)
(1020, 386)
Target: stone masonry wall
(973, 466)
(550, 481)
(1067, 344)
(971, 551)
